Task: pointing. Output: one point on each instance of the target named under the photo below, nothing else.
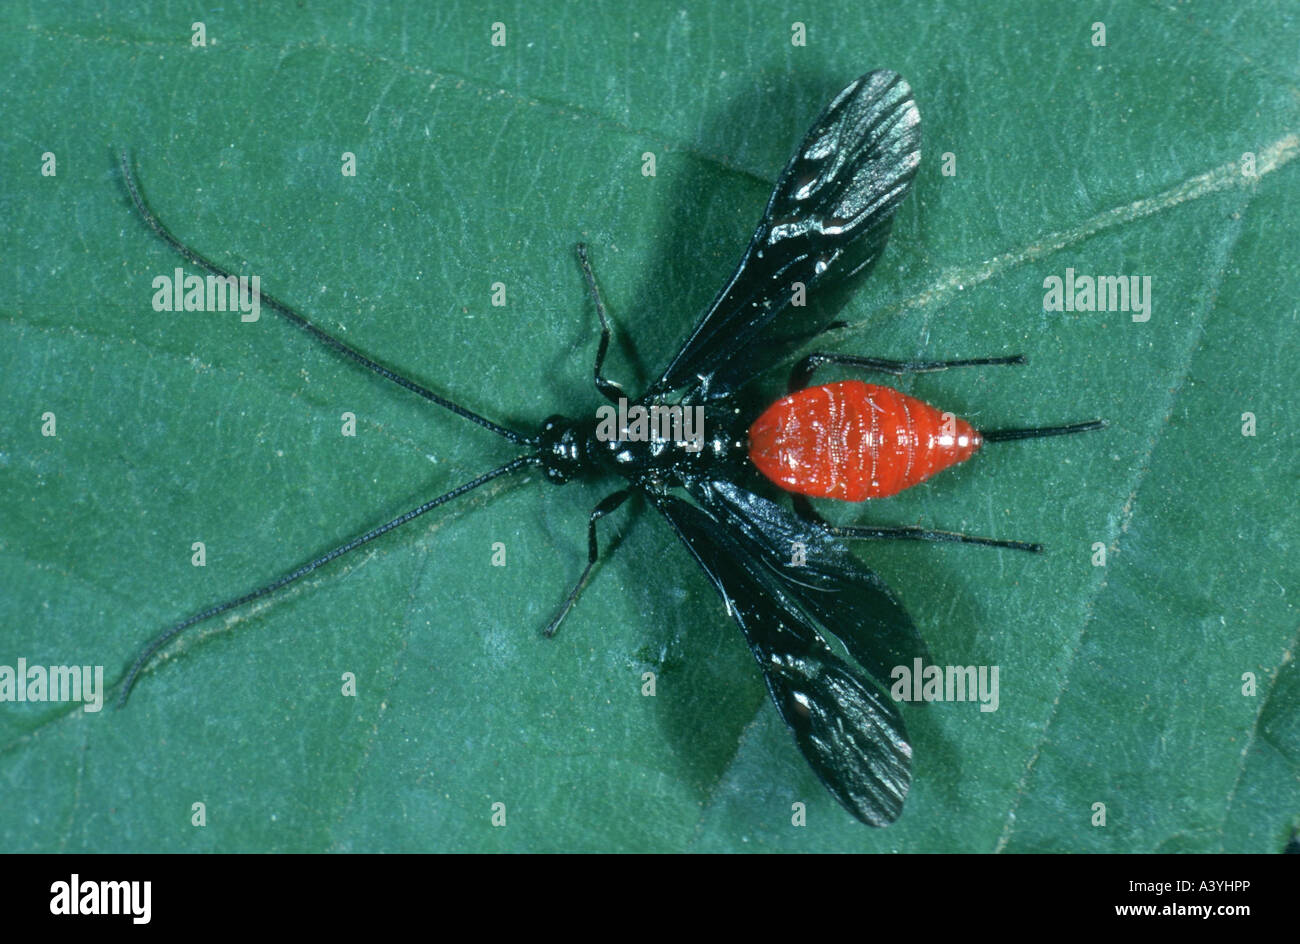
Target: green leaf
(1120, 684)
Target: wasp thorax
(560, 449)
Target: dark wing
(849, 730)
(827, 220)
(848, 601)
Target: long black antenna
(163, 638)
(284, 310)
(1039, 432)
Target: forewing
(828, 219)
(848, 601)
(849, 730)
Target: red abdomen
(852, 440)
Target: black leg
(804, 509)
(609, 388)
(803, 371)
(608, 503)
(924, 534)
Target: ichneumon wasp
(788, 580)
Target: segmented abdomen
(852, 440)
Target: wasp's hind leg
(803, 371)
(804, 509)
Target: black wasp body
(788, 582)
(574, 449)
